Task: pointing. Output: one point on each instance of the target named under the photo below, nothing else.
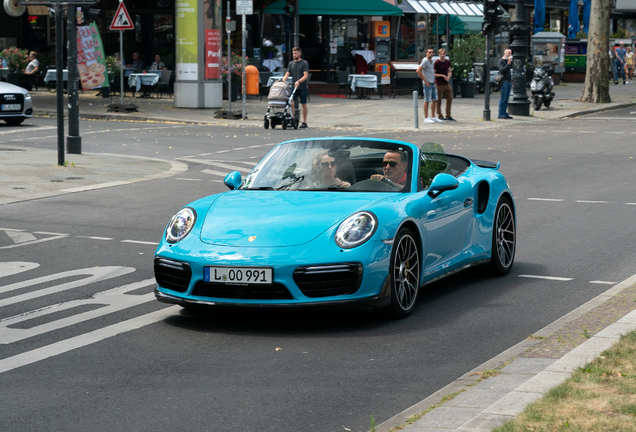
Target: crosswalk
(54, 317)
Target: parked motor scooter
(541, 87)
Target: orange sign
(382, 29)
(385, 72)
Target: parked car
(330, 221)
(16, 104)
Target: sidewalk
(367, 114)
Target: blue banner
(539, 16)
(573, 20)
(587, 6)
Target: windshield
(334, 165)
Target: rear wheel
(295, 121)
(404, 273)
(266, 124)
(504, 238)
(284, 123)
(536, 104)
(14, 121)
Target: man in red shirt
(443, 72)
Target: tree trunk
(597, 76)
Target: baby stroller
(280, 98)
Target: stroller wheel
(266, 124)
(273, 125)
(284, 123)
(295, 123)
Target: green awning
(458, 24)
(339, 7)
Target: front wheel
(295, 123)
(536, 103)
(266, 124)
(284, 123)
(547, 103)
(404, 273)
(504, 238)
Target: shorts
(302, 94)
(430, 92)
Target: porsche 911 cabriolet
(334, 221)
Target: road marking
(592, 202)
(85, 339)
(179, 178)
(615, 133)
(219, 173)
(554, 278)
(140, 242)
(14, 267)
(588, 132)
(26, 238)
(223, 151)
(20, 237)
(603, 282)
(94, 274)
(94, 238)
(110, 301)
(50, 233)
(630, 203)
(227, 166)
(545, 199)
(39, 128)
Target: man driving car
(394, 166)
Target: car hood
(277, 219)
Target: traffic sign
(121, 20)
(244, 7)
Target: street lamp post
(520, 31)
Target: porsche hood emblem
(251, 238)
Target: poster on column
(91, 63)
(186, 40)
(212, 54)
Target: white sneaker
(429, 120)
(437, 120)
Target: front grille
(328, 280)
(172, 275)
(10, 99)
(275, 291)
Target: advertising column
(197, 80)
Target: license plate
(239, 275)
(11, 107)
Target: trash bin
(251, 80)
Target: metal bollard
(416, 118)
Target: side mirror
(442, 183)
(233, 180)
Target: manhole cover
(6, 149)
(348, 126)
(74, 178)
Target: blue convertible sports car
(338, 220)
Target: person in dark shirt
(443, 73)
(137, 63)
(505, 66)
(299, 71)
(619, 63)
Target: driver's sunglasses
(393, 164)
(328, 164)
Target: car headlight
(356, 229)
(180, 225)
(27, 96)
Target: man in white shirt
(426, 72)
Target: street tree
(596, 88)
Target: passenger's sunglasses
(393, 164)
(328, 164)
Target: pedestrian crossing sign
(121, 20)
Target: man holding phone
(505, 67)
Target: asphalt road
(137, 365)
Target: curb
(499, 360)
(593, 111)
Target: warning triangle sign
(121, 20)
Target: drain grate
(57, 181)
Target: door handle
(468, 202)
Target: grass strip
(600, 396)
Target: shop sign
(187, 40)
(382, 29)
(212, 54)
(385, 72)
(91, 62)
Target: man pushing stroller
(299, 71)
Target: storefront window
(408, 47)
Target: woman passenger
(323, 171)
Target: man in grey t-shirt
(426, 72)
(299, 71)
